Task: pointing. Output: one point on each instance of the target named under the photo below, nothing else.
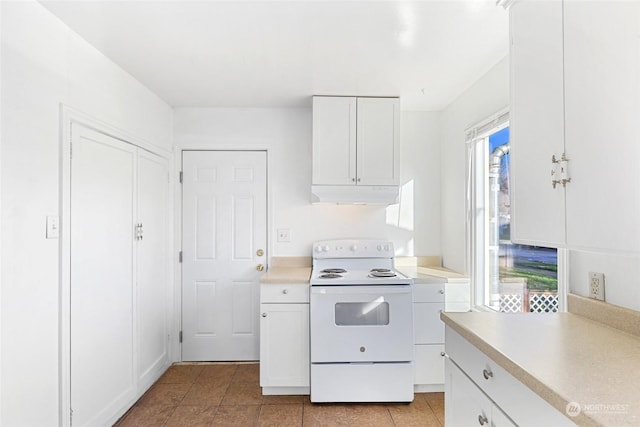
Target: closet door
(102, 269)
(152, 284)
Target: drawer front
(513, 397)
(285, 293)
(423, 292)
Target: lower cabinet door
(466, 405)
(429, 361)
(284, 345)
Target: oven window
(372, 313)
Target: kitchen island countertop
(563, 357)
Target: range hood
(355, 194)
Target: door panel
(102, 239)
(152, 284)
(224, 225)
(378, 159)
(334, 140)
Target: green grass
(535, 281)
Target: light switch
(284, 235)
(53, 227)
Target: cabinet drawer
(512, 396)
(286, 293)
(423, 292)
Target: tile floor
(229, 395)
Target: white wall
(45, 64)
(286, 134)
(487, 96)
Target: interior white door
(102, 271)
(152, 275)
(224, 241)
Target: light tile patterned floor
(229, 395)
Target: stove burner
(381, 270)
(334, 270)
(382, 274)
(330, 276)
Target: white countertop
(432, 274)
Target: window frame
(477, 208)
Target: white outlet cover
(596, 286)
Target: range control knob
(354, 248)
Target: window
(506, 277)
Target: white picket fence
(537, 302)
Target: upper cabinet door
(334, 140)
(537, 122)
(602, 97)
(378, 150)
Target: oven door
(361, 323)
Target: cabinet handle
(486, 373)
(285, 291)
(441, 291)
(264, 314)
(442, 353)
(358, 179)
(482, 419)
(353, 180)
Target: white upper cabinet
(602, 110)
(575, 90)
(334, 140)
(378, 141)
(356, 141)
(536, 122)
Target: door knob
(259, 267)
(259, 252)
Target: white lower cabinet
(480, 392)
(284, 339)
(470, 406)
(428, 302)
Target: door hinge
(180, 177)
(180, 337)
(180, 256)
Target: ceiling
(212, 53)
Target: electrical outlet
(596, 285)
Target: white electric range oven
(361, 324)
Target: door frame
(69, 116)
(178, 224)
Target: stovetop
(355, 262)
(358, 277)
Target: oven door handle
(361, 290)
